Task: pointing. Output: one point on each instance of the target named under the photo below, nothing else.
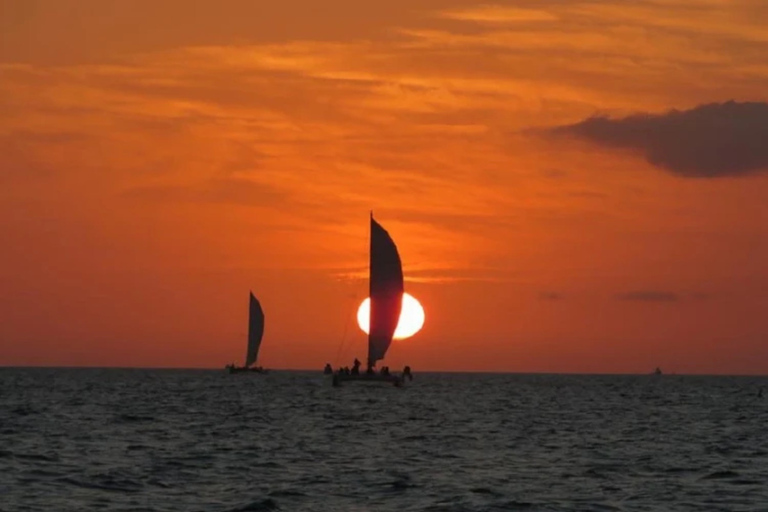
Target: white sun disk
(411, 317)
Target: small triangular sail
(255, 330)
(386, 292)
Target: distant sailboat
(385, 281)
(657, 371)
(255, 334)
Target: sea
(204, 440)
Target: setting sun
(411, 317)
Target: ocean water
(166, 440)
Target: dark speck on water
(166, 440)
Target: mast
(385, 290)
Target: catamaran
(255, 334)
(385, 282)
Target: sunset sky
(573, 186)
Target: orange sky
(160, 159)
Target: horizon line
(319, 371)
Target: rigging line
(356, 296)
(346, 329)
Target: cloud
(554, 173)
(434, 274)
(499, 14)
(28, 155)
(649, 296)
(553, 296)
(231, 191)
(709, 141)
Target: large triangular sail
(386, 292)
(255, 330)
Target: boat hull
(395, 380)
(247, 370)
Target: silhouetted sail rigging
(386, 291)
(385, 281)
(255, 330)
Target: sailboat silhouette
(255, 335)
(386, 286)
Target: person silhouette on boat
(385, 371)
(370, 370)
(328, 369)
(356, 367)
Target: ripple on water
(104, 483)
(264, 505)
(202, 441)
(134, 418)
(38, 457)
(719, 475)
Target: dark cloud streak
(649, 296)
(709, 141)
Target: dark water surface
(165, 440)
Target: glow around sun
(411, 317)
